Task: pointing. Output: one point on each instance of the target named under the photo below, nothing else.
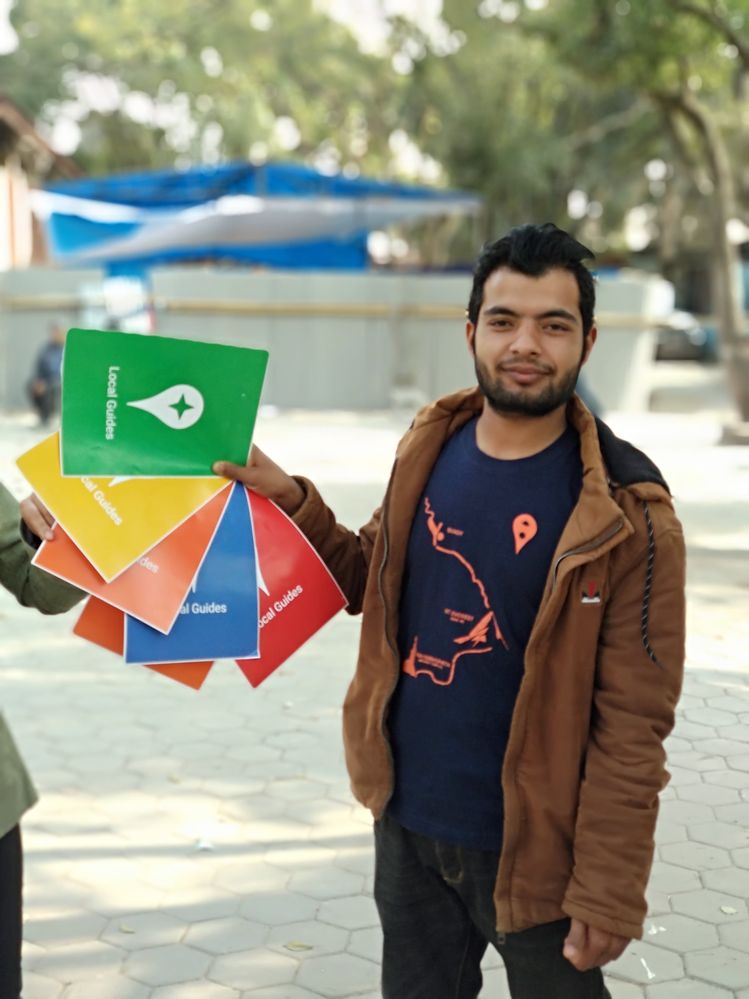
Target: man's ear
(471, 337)
(589, 340)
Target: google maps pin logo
(524, 528)
(179, 407)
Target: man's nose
(526, 339)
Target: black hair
(533, 250)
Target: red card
(153, 588)
(104, 625)
(298, 595)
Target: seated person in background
(44, 385)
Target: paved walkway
(205, 845)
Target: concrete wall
(336, 340)
(29, 301)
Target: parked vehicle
(682, 337)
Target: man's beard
(518, 403)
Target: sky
(367, 18)
(364, 18)
(8, 37)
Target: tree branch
(710, 16)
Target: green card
(141, 405)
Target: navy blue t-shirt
(478, 556)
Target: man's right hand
(265, 477)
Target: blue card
(219, 618)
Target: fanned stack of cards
(183, 567)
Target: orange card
(104, 625)
(153, 588)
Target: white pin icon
(179, 406)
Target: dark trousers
(11, 880)
(436, 907)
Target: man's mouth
(524, 374)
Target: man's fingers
(266, 478)
(240, 473)
(587, 947)
(576, 942)
(37, 517)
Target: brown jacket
(585, 758)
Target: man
(44, 385)
(521, 654)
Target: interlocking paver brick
(708, 794)
(698, 761)
(719, 834)
(222, 936)
(250, 969)
(81, 960)
(307, 939)
(687, 730)
(285, 992)
(686, 812)
(741, 857)
(738, 732)
(194, 990)
(698, 856)
(721, 965)
(735, 935)
(115, 988)
(727, 702)
(686, 990)
(728, 880)
(331, 883)
(255, 876)
(730, 778)
(145, 929)
(681, 933)
(338, 975)
(64, 927)
(643, 963)
(710, 716)
(367, 943)
(670, 879)
(740, 762)
(41, 987)
(194, 903)
(354, 913)
(624, 990)
(737, 813)
(167, 965)
(710, 906)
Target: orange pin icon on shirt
(524, 528)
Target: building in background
(26, 161)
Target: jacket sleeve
(633, 712)
(32, 587)
(346, 553)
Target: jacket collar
(597, 509)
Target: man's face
(528, 343)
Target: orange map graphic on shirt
(478, 639)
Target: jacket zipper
(580, 550)
(589, 546)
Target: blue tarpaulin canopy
(278, 214)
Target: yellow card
(113, 521)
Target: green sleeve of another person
(33, 588)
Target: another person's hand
(37, 517)
(587, 947)
(265, 477)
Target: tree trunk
(726, 258)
